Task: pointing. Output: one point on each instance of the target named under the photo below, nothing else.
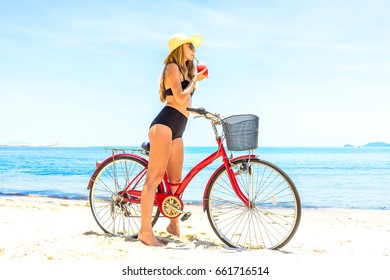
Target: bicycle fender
(216, 171)
(97, 170)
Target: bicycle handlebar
(200, 111)
(206, 114)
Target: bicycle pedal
(185, 216)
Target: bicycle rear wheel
(275, 212)
(112, 214)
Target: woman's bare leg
(160, 137)
(174, 171)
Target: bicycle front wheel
(272, 216)
(113, 214)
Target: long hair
(186, 67)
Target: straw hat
(179, 39)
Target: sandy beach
(42, 229)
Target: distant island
(29, 145)
(371, 145)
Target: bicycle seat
(146, 146)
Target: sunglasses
(191, 46)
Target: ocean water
(357, 178)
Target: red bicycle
(250, 203)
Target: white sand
(35, 230)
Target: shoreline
(186, 202)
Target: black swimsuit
(184, 84)
(171, 117)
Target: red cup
(200, 68)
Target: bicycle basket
(241, 132)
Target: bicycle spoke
(271, 218)
(112, 212)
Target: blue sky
(85, 73)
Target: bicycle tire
(112, 216)
(275, 214)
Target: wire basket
(241, 132)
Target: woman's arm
(173, 78)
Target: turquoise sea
(356, 178)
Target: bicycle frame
(221, 152)
(165, 186)
(250, 203)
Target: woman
(177, 85)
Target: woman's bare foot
(149, 239)
(174, 228)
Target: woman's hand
(200, 75)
